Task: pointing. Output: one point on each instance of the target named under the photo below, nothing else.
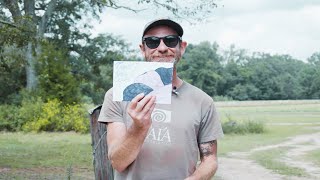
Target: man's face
(162, 53)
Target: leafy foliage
(93, 62)
(235, 127)
(201, 67)
(12, 73)
(56, 80)
(36, 115)
(8, 118)
(56, 117)
(261, 76)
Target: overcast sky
(272, 26)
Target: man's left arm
(209, 163)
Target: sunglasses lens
(152, 42)
(171, 41)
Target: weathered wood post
(102, 166)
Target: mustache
(172, 60)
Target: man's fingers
(151, 109)
(142, 103)
(140, 110)
(135, 101)
(149, 105)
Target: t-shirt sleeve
(111, 111)
(210, 126)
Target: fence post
(102, 166)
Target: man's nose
(162, 47)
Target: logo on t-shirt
(161, 116)
(159, 133)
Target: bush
(55, 116)
(30, 110)
(9, 118)
(75, 117)
(222, 98)
(246, 127)
(47, 119)
(32, 113)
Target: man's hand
(124, 143)
(140, 109)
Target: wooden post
(102, 166)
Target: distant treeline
(234, 74)
(230, 74)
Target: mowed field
(69, 155)
(282, 119)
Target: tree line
(46, 50)
(231, 74)
(52, 70)
(238, 75)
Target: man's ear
(183, 46)
(142, 49)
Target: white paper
(133, 77)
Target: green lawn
(274, 135)
(270, 160)
(314, 156)
(301, 112)
(306, 114)
(63, 155)
(45, 155)
(267, 112)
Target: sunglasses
(170, 41)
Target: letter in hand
(140, 109)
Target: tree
(55, 78)
(92, 64)
(60, 21)
(12, 73)
(201, 67)
(314, 59)
(275, 76)
(309, 77)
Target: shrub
(255, 127)
(30, 110)
(246, 127)
(32, 113)
(75, 117)
(47, 119)
(222, 98)
(9, 118)
(55, 116)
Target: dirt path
(237, 165)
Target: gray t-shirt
(170, 150)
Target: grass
(272, 115)
(270, 160)
(302, 111)
(58, 155)
(267, 112)
(314, 156)
(273, 135)
(53, 153)
(246, 127)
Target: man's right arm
(124, 144)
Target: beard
(166, 58)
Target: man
(157, 141)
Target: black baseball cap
(166, 22)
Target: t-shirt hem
(210, 138)
(107, 120)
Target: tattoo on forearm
(206, 148)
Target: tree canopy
(47, 47)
